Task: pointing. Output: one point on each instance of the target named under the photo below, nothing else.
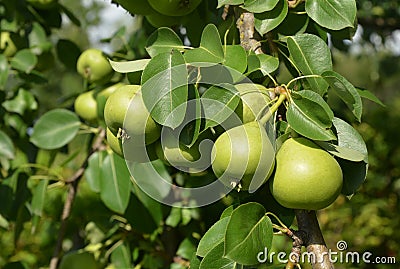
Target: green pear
(125, 110)
(254, 99)
(306, 176)
(243, 153)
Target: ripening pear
(306, 176)
(245, 155)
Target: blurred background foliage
(368, 222)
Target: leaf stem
(301, 77)
(282, 97)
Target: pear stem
(273, 109)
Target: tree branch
(314, 240)
(73, 182)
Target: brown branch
(73, 182)
(248, 38)
(314, 241)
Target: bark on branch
(314, 240)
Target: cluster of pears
(161, 12)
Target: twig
(73, 182)
(248, 40)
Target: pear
(306, 176)
(245, 155)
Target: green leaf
(139, 216)
(164, 88)
(311, 56)
(159, 186)
(269, 20)
(129, 66)
(346, 91)
(115, 184)
(55, 129)
(174, 217)
(213, 237)
(24, 101)
(369, 96)
(227, 212)
(262, 62)
(210, 50)
(235, 58)
(4, 69)
(259, 6)
(39, 197)
(6, 145)
(309, 115)
(38, 40)
(93, 171)
(222, 3)
(341, 152)
(186, 248)
(332, 14)
(219, 102)
(163, 40)
(121, 256)
(24, 60)
(354, 173)
(216, 259)
(249, 231)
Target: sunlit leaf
(6, 146)
(165, 89)
(248, 232)
(311, 56)
(213, 237)
(332, 14)
(309, 115)
(130, 66)
(55, 129)
(259, 6)
(163, 40)
(269, 20)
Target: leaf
(215, 259)
(370, 96)
(164, 88)
(4, 69)
(235, 58)
(163, 40)
(229, 2)
(332, 14)
(269, 20)
(346, 91)
(262, 62)
(129, 66)
(121, 256)
(6, 145)
(38, 199)
(248, 232)
(210, 50)
(186, 248)
(140, 217)
(354, 173)
(160, 184)
(259, 6)
(93, 171)
(219, 102)
(213, 237)
(311, 56)
(309, 115)
(24, 101)
(115, 184)
(341, 152)
(38, 40)
(24, 60)
(55, 129)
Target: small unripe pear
(243, 153)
